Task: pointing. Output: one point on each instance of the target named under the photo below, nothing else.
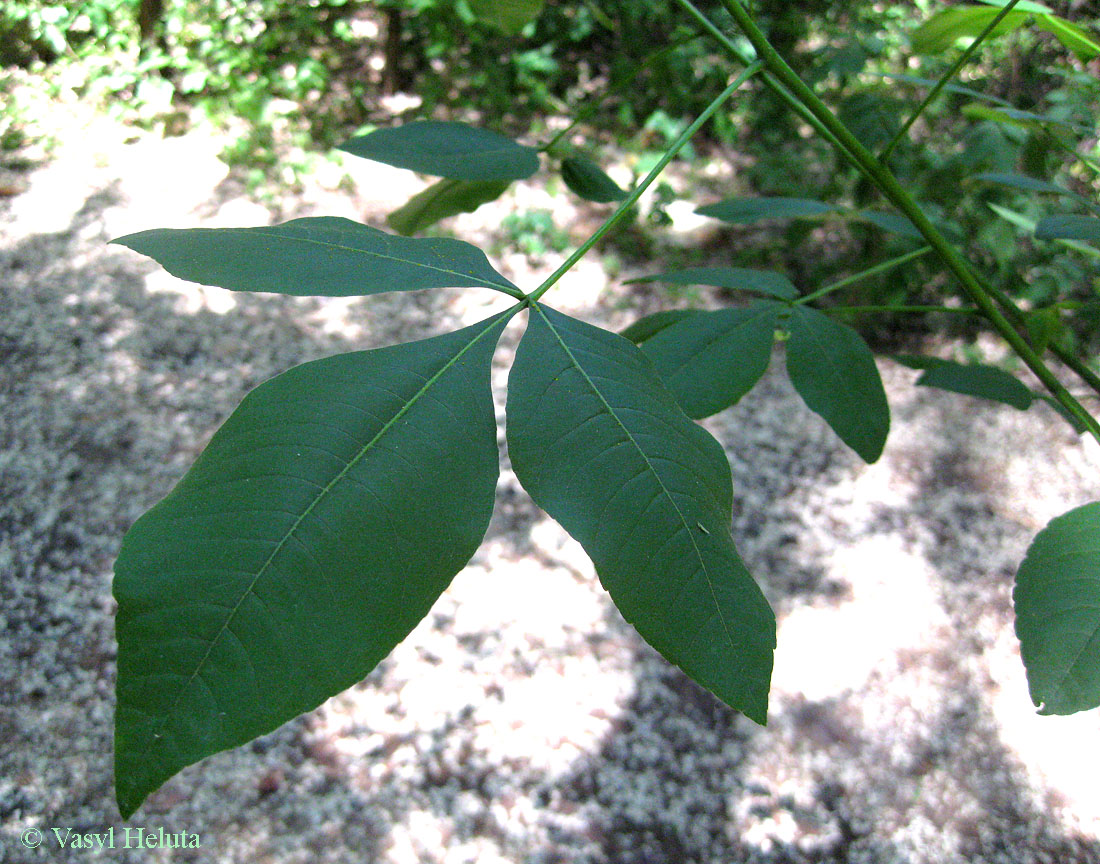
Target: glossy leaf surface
(1057, 600)
(748, 210)
(317, 255)
(712, 359)
(767, 282)
(601, 446)
(442, 199)
(317, 528)
(834, 372)
(447, 149)
(977, 379)
(588, 180)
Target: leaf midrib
(506, 287)
(664, 489)
(317, 499)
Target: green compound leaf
(442, 199)
(942, 30)
(603, 448)
(712, 359)
(317, 528)
(647, 327)
(747, 210)
(446, 149)
(588, 180)
(1057, 600)
(977, 379)
(1068, 228)
(510, 16)
(317, 255)
(766, 282)
(834, 372)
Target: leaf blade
(456, 151)
(442, 199)
(1068, 227)
(1057, 602)
(834, 372)
(588, 180)
(977, 379)
(316, 255)
(647, 494)
(767, 282)
(317, 528)
(709, 361)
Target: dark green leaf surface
(588, 180)
(712, 359)
(976, 379)
(895, 223)
(747, 210)
(834, 372)
(313, 533)
(649, 326)
(1023, 182)
(1068, 228)
(766, 282)
(1057, 600)
(444, 149)
(601, 446)
(510, 16)
(442, 199)
(317, 255)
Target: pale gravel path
(523, 721)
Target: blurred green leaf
(588, 180)
(977, 379)
(510, 16)
(446, 149)
(442, 199)
(766, 282)
(1066, 227)
(1057, 601)
(748, 210)
(946, 27)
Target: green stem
(770, 80)
(636, 193)
(945, 78)
(896, 193)
(863, 274)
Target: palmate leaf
(442, 199)
(712, 359)
(601, 446)
(834, 372)
(447, 149)
(1057, 600)
(313, 533)
(316, 255)
(766, 282)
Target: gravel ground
(523, 721)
